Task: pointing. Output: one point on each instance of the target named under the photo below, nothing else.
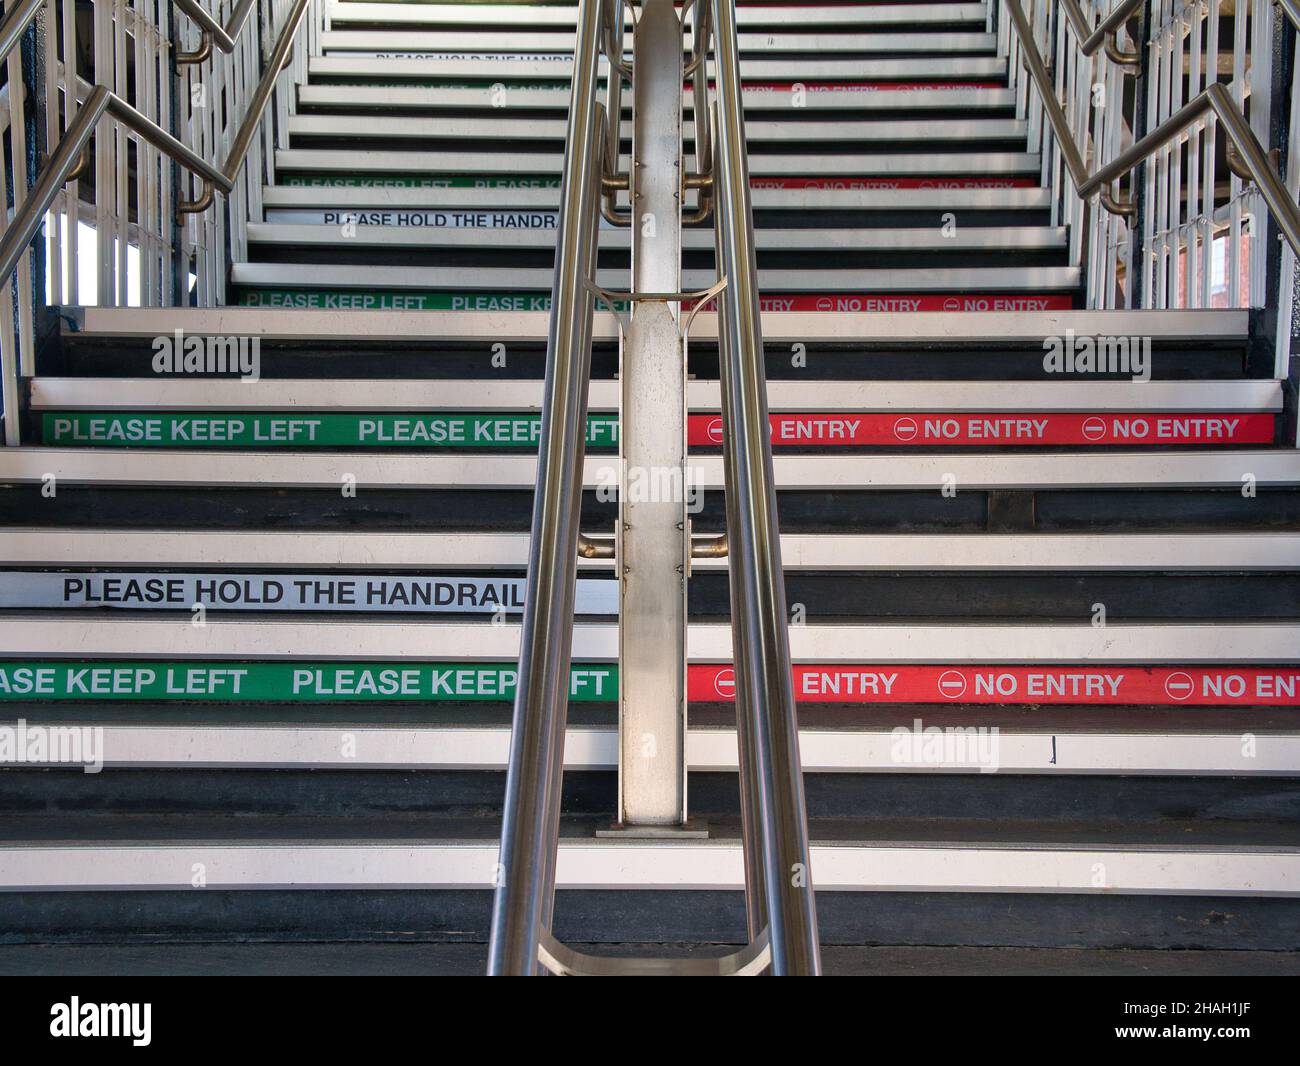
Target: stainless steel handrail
(224, 37)
(525, 894)
(16, 21)
(1090, 40)
(778, 872)
(64, 160)
(1252, 159)
(265, 88)
(781, 912)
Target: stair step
(1019, 326)
(814, 97)
(503, 280)
(430, 855)
(1015, 552)
(395, 42)
(512, 16)
(815, 645)
(935, 166)
(1156, 742)
(924, 473)
(500, 125)
(493, 66)
(541, 236)
(50, 393)
(470, 959)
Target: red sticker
(856, 429)
(868, 303)
(1167, 685)
(892, 183)
(868, 87)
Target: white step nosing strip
(461, 395)
(394, 278)
(992, 327)
(362, 161)
(510, 15)
(1058, 751)
(1019, 552)
(487, 65)
(968, 238)
(29, 635)
(501, 123)
(547, 40)
(930, 472)
(433, 198)
(706, 864)
(368, 96)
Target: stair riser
(1173, 923)
(141, 794)
(469, 511)
(824, 362)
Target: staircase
(1046, 617)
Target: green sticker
(244, 429)
(289, 682)
(413, 181)
(361, 300)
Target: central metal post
(653, 530)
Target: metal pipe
(521, 909)
(1215, 98)
(224, 37)
(1089, 39)
(265, 88)
(596, 547)
(764, 681)
(700, 99)
(165, 142)
(189, 59)
(709, 547)
(751, 807)
(1291, 9)
(65, 160)
(16, 21)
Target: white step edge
(813, 100)
(501, 160)
(446, 394)
(1020, 552)
(843, 199)
(695, 864)
(996, 327)
(345, 276)
(489, 66)
(1040, 470)
(501, 124)
(512, 15)
(931, 238)
(861, 750)
(395, 42)
(31, 635)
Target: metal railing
(1101, 112)
(181, 128)
(778, 882)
